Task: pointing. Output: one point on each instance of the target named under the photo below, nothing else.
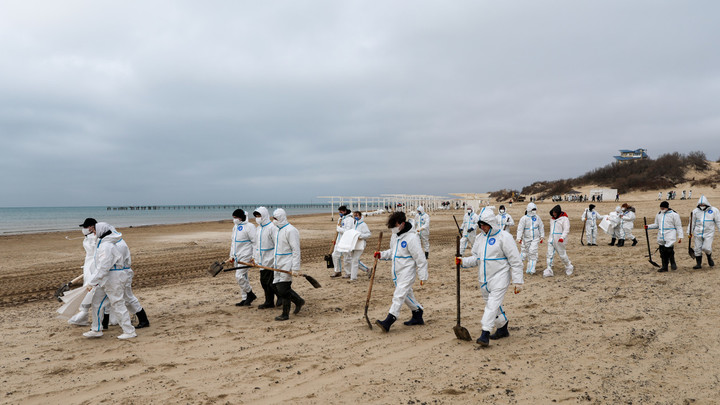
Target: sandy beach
(614, 332)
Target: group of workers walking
(272, 243)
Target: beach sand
(616, 331)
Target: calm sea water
(48, 219)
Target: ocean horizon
(22, 220)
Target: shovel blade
(312, 281)
(329, 262)
(367, 319)
(215, 268)
(691, 252)
(653, 263)
(461, 333)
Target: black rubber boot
(664, 260)
(634, 241)
(612, 242)
(106, 321)
(427, 255)
(711, 263)
(250, 298)
(387, 323)
(671, 256)
(501, 332)
(416, 318)
(298, 305)
(620, 243)
(484, 338)
(142, 319)
(242, 303)
(285, 302)
(282, 317)
(698, 259)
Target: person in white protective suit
(346, 222)
(287, 257)
(355, 254)
(498, 260)
(530, 233)
(504, 219)
(590, 218)
(559, 229)
(627, 217)
(705, 219)
(669, 227)
(467, 229)
(81, 318)
(112, 283)
(614, 230)
(422, 227)
(264, 248)
(408, 263)
(242, 248)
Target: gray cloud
(183, 102)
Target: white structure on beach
(391, 202)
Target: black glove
(470, 229)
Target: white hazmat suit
(242, 249)
(339, 258)
(590, 217)
(530, 233)
(422, 226)
(557, 239)
(467, 229)
(408, 262)
(113, 280)
(264, 248)
(627, 217)
(703, 226)
(81, 318)
(505, 221)
(498, 261)
(355, 254)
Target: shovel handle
(263, 267)
(457, 275)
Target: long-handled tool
(328, 257)
(217, 267)
(691, 251)
(372, 279)
(458, 226)
(66, 287)
(310, 279)
(647, 239)
(582, 234)
(460, 332)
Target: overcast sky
(188, 102)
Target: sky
(186, 102)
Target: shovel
(217, 267)
(582, 234)
(647, 239)
(458, 226)
(310, 279)
(66, 287)
(691, 251)
(372, 279)
(328, 257)
(460, 332)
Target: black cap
(88, 223)
(664, 204)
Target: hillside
(666, 172)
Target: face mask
(258, 220)
(357, 219)
(502, 211)
(276, 223)
(663, 210)
(395, 230)
(703, 207)
(533, 213)
(236, 221)
(86, 231)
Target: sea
(20, 220)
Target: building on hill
(628, 155)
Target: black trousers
(287, 295)
(266, 281)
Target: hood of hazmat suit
(265, 239)
(703, 225)
(111, 254)
(703, 201)
(488, 216)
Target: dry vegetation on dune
(662, 173)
